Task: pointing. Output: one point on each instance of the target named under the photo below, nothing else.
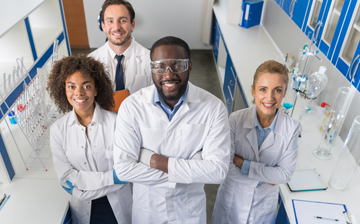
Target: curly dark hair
(87, 66)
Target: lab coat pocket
(141, 196)
(191, 139)
(195, 198)
(104, 158)
(152, 139)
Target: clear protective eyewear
(176, 66)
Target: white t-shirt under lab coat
(87, 162)
(200, 123)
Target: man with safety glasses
(171, 138)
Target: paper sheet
(305, 212)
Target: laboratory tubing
(333, 123)
(349, 159)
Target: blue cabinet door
(329, 48)
(301, 13)
(216, 38)
(342, 31)
(353, 72)
(323, 13)
(286, 6)
(229, 83)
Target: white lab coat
(240, 199)
(92, 178)
(137, 73)
(200, 123)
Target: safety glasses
(175, 66)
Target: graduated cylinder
(349, 159)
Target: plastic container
(317, 82)
(12, 117)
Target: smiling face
(118, 26)
(170, 86)
(81, 92)
(269, 90)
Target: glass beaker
(349, 159)
(334, 122)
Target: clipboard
(315, 212)
(306, 180)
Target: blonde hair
(272, 67)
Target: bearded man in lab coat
(126, 61)
(170, 139)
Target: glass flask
(334, 121)
(349, 159)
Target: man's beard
(126, 38)
(177, 96)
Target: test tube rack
(34, 114)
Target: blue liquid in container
(287, 106)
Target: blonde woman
(263, 152)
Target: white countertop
(306, 160)
(36, 195)
(34, 201)
(248, 48)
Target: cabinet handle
(355, 70)
(351, 73)
(316, 31)
(291, 8)
(227, 101)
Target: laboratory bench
(246, 49)
(35, 201)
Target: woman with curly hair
(82, 142)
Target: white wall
(154, 20)
(290, 39)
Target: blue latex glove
(116, 179)
(69, 190)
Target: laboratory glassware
(305, 54)
(349, 159)
(289, 98)
(316, 83)
(334, 121)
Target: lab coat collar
(192, 95)
(252, 136)
(97, 118)
(132, 49)
(127, 53)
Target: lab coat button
(85, 163)
(82, 129)
(82, 147)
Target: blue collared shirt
(261, 134)
(170, 113)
